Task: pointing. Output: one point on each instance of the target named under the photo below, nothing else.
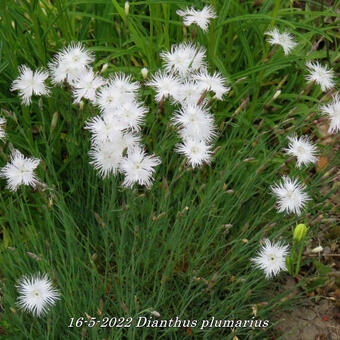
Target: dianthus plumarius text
(150, 322)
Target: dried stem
(193, 33)
(307, 88)
(201, 98)
(241, 107)
(325, 255)
(271, 53)
(161, 106)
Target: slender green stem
(257, 89)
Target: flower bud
(277, 93)
(300, 232)
(318, 249)
(54, 121)
(104, 67)
(155, 313)
(127, 8)
(144, 72)
(81, 105)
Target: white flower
(70, 63)
(106, 156)
(29, 83)
(164, 84)
(130, 115)
(183, 59)
(104, 128)
(124, 83)
(321, 75)
(214, 83)
(333, 112)
(195, 122)
(2, 130)
(302, 149)
(20, 171)
(271, 258)
(131, 140)
(197, 151)
(283, 39)
(37, 294)
(200, 18)
(138, 167)
(291, 195)
(119, 91)
(188, 93)
(86, 85)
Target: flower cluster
(186, 82)
(116, 140)
(317, 73)
(115, 132)
(69, 64)
(290, 193)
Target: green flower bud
(300, 232)
(54, 121)
(127, 8)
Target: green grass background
(123, 252)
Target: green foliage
(118, 252)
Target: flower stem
(298, 262)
